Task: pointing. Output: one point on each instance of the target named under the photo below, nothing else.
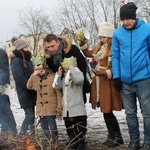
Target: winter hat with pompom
(106, 29)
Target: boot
(72, 142)
(116, 137)
(110, 135)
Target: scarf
(24, 55)
(57, 57)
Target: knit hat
(128, 11)
(20, 44)
(106, 29)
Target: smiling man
(131, 72)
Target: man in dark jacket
(58, 48)
(7, 120)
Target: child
(48, 104)
(74, 113)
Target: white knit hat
(20, 44)
(106, 29)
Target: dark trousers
(28, 122)
(76, 128)
(48, 124)
(7, 119)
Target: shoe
(145, 146)
(107, 140)
(133, 145)
(115, 142)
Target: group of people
(57, 85)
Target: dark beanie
(128, 11)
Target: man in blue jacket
(131, 72)
(7, 120)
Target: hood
(66, 43)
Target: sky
(9, 14)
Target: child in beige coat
(49, 100)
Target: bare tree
(35, 22)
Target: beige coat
(49, 100)
(102, 88)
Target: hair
(108, 50)
(51, 37)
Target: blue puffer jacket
(4, 68)
(131, 53)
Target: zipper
(131, 58)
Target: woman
(22, 68)
(103, 92)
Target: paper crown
(39, 61)
(71, 59)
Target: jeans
(7, 119)
(130, 94)
(28, 122)
(48, 124)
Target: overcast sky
(9, 14)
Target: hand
(37, 72)
(94, 71)
(2, 88)
(82, 43)
(101, 72)
(118, 84)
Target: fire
(29, 145)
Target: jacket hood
(65, 41)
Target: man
(131, 72)
(58, 48)
(7, 120)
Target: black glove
(118, 84)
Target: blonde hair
(108, 49)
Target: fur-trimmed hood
(65, 40)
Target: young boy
(49, 100)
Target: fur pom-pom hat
(20, 44)
(106, 29)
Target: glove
(118, 84)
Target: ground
(96, 127)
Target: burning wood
(29, 144)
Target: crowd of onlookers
(55, 81)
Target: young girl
(49, 100)
(103, 91)
(74, 113)
(22, 67)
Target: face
(52, 46)
(104, 40)
(26, 49)
(128, 23)
(40, 72)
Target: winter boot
(110, 135)
(72, 142)
(116, 137)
